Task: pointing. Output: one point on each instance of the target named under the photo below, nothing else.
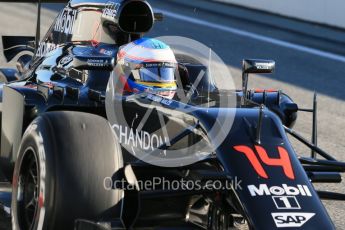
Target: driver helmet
(149, 65)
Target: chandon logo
(138, 139)
(283, 160)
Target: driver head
(148, 65)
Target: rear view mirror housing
(254, 66)
(258, 66)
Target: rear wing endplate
(38, 24)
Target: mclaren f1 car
(60, 156)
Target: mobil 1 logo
(286, 202)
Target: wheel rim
(28, 191)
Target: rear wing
(14, 42)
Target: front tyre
(59, 175)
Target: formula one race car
(61, 158)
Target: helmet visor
(157, 74)
(154, 72)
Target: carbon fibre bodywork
(71, 73)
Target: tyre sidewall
(34, 140)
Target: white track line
(243, 33)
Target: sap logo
(264, 190)
(291, 219)
(106, 52)
(111, 9)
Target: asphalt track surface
(299, 71)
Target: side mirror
(258, 66)
(254, 66)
